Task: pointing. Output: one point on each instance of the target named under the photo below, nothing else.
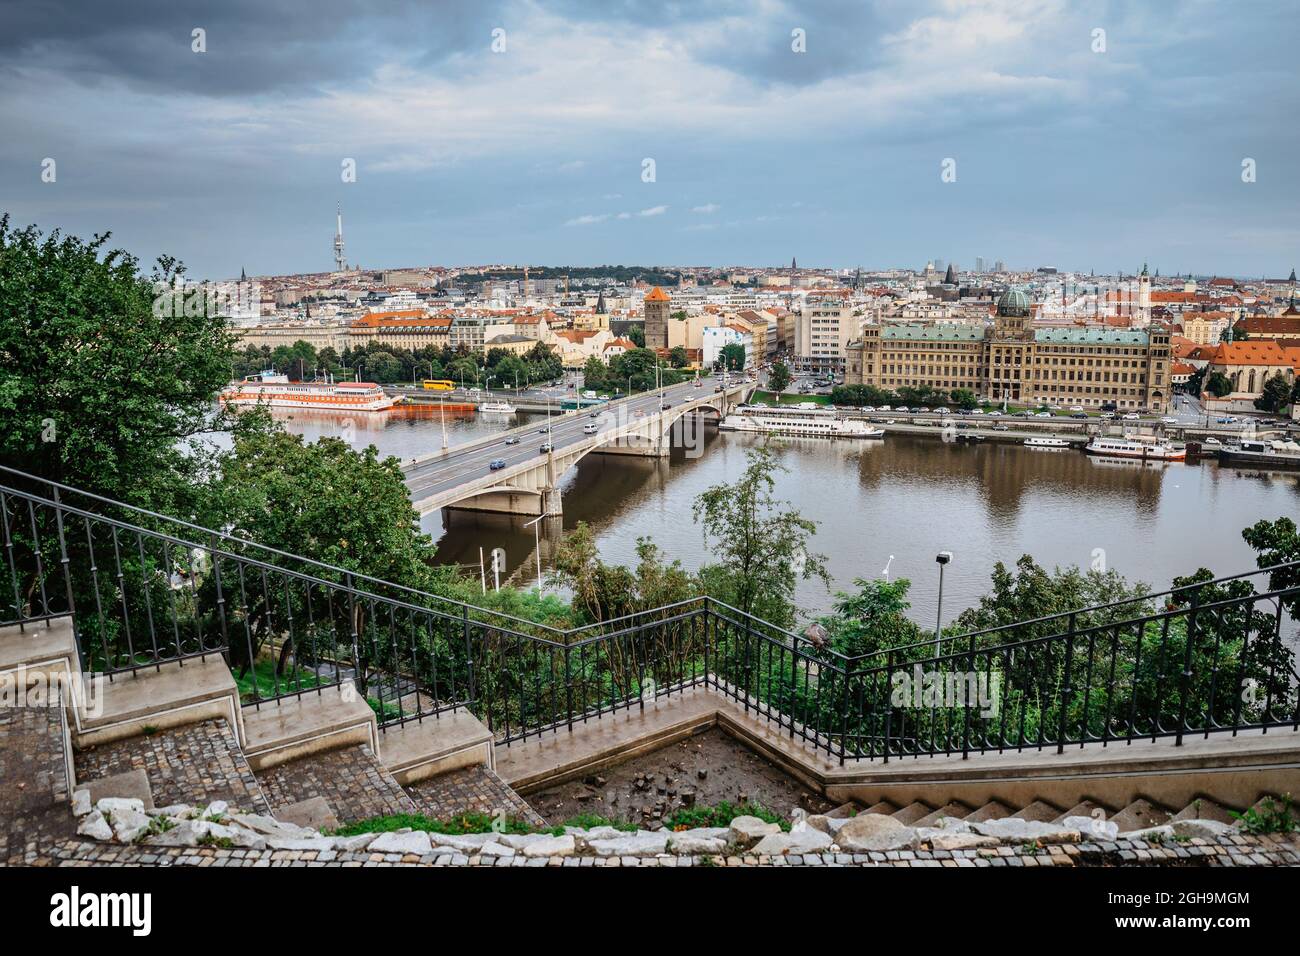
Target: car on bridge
(590, 429)
(512, 440)
(497, 464)
(547, 447)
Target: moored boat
(798, 422)
(1269, 454)
(277, 391)
(497, 407)
(1137, 447)
(1046, 443)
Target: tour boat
(278, 392)
(1270, 454)
(1046, 443)
(819, 423)
(497, 407)
(1144, 447)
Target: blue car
(497, 464)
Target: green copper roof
(1090, 336)
(944, 332)
(1013, 302)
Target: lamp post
(942, 558)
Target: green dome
(1013, 302)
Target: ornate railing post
(1066, 689)
(1185, 683)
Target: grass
(720, 815)
(1271, 817)
(771, 398)
(262, 677)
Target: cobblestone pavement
(470, 790)
(350, 779)
(1227, 851)
(34, 807)
(194, 764)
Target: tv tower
(340, 261)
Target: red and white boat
(1137, 447)
(277, 391)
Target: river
(888, 504)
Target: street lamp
(943, 557)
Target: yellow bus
(439, 384)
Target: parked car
(1002, 427)
(497, 464)
(1132, 417)
(1079, 414)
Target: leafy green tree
(107, 380)
(761, 542)
(963, 398)
(1219, 385)
(509, 371)
(595, 374)
(732, 357)
(872, 619)
(637, 334)
(678, 357)
(1275, 395)
(1278, 542)
(778, 379)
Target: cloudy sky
(534, 151)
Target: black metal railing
(145, 589)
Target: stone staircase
(178, 734)
(1138, 815)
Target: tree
(678, 357)
(1278, 542)
(1275, 395)
(761, 542)
(963, 398)
(637, 334)
(733, 356)
(778, 379)
(107, 378)
(873, 619)
(1219, 385)
(595, 373)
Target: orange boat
(277, 391)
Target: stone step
(282, 730)
(951, 811)
(1203, 808)
(344, 783)
(424, 748)
(157, 698)
(473, 789)
(884, 806)
(1085, 808)
(1139, 815)
(844, 811)
(196, 764)
(1039, 810)
(912, 812)
(35, 782)
(46, 648)
(993, 810)
(129, 785)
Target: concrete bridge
(527, 484)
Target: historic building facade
(1011, 361)
(657, 307)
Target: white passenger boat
(798, 422)
(1046, 443)
(496, 407)
(1140, 447)
(277, 391)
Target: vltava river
(909, 497)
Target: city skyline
(1066, 154)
